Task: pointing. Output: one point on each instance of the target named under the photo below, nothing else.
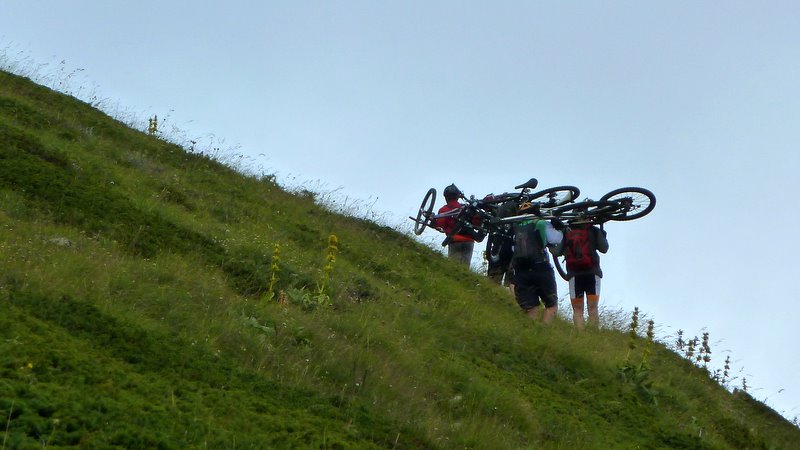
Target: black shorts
(534, 285)
(584, 283)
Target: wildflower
(726, 372)
(690, 348)
(274, 269)
(705, 350)
(649, 345)
(633, 329)
(330, 259)
(680, 344)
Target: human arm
(602, 241)
(550, 236)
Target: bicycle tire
(425, 211)
(593, 211)
(636, 202)
(556, 196)
(559, 269)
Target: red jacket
(447, 224)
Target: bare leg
(549, 314)
(577, 312)
(594, 314)
(533, 313)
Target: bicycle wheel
(635, 202)
(425, 211)
(589, 211)
(556, 196)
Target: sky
(376, 102)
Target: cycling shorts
(584, 283)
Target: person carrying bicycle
(500, 246)
(534, 278)
(462, 243)
(582, 241)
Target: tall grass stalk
(274, 269)
(330, 259)
(632, 333)
(705, 351)
(8, 424)
(648, 348)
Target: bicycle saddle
(530, 184)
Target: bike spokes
(586, 211)
(423, 218)
(634, 203)
(555, 196)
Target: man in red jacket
(461, 245)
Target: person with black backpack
(500, 246)
(534, 278)
(581, 244)
(499, 250)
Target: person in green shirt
(534, 278)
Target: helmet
(452, 192)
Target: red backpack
(579, 249)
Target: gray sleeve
(602, 241)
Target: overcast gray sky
(697, 101)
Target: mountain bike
(426, 218)
(478, 217)
(623, 204)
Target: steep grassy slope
(135, 312)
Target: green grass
(133, 285)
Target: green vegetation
(152, 297)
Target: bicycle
(623, 204)
(485, 210)
(426, 218)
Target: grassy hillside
(154, 298)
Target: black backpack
(528, 245)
